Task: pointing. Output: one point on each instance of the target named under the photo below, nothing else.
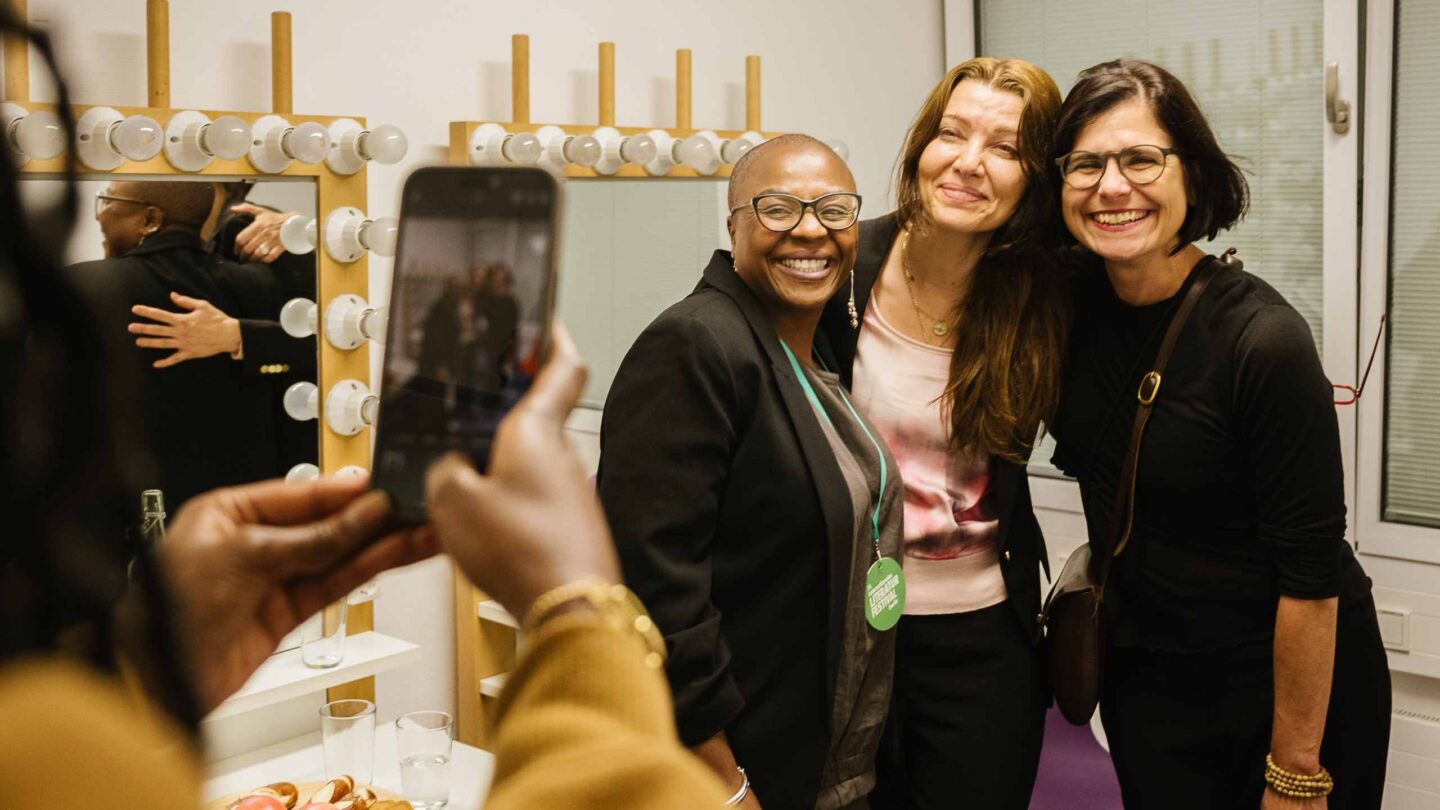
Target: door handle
(1337, 110)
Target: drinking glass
(347, 733)
(424, 741)
(322, 636)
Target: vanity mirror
(145, 170)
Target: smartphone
(470, 308)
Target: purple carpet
(1075, 772)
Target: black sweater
(1240, 493)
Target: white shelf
(283, 676)
(492, 611)
(302, 760)
(492, 686)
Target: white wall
(856, 71)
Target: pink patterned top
(951, 554)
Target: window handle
(1337, 110)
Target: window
(1412, 422)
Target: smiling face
(1118, 220)
(800, 270)
(970, 176)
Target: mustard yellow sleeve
(75, 738)
(584, 723)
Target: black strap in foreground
(1123, 516)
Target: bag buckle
(1149, 388)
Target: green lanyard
(815, 401)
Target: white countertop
(301, 760)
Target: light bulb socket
(350, 407)
(267, 144)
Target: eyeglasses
(782, 212)
(1351, 393)
(101, 198)
(1140, 165)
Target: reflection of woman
(956, 360)
(748, 499)
(1237, 596)
(496, 316)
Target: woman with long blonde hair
(951, 335)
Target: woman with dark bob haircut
(1243, 661)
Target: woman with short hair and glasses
(756, 513)
(951, 338)
(1243, 666)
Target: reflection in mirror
(630, 249)
(189, 279)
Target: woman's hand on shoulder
(531, 522)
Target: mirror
(630, 249)
(210, 418)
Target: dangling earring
(854, 314)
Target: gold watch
(616, 604)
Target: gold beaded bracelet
(1297, 785)
(614, 602)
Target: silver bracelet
(742, 792)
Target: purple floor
(1075, 772)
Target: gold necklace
(938, 326)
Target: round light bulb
(732, 150)
(227, 137)
(307, 143)
(302, 401)
(638, 149)
(522, 147)
(384, 144)
(583, 150)
(696, 152)
(298, 317)
(374, 323)
(40, 135)
(380, 235)
(297, 234)
(138, 137)
(840, 149)
(302, 472)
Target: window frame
(1378, 536)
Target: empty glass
(347, 733)
(322, 636)
(424, 741)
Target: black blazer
(269, 351)
(735, 528)
(1022, 546)
(206, 423)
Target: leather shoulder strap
(1123, 512)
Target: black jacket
(269, 351)
(1022, 546)
(207, 424)
(735, 528)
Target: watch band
(616, 603)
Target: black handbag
(1074, 614)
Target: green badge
(884, 594)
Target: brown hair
(1005, 370)
(1214, 184)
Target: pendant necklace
(938, 326)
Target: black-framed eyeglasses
(781, 213)
(101, 198)
(1350, 394)
(1141, 165)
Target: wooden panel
(17, 58)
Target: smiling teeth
(805, 265)
(1119, 218)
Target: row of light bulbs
(348, 234)
(191, 140)
(350, 407)
(606, 150)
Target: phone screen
(470, 307)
